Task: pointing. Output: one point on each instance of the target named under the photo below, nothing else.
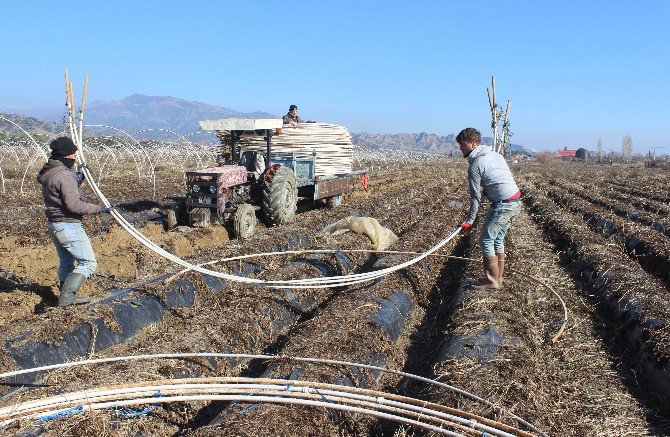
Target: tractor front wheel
(176, 216)
(280, 196)
(334, 201)
(244, 222)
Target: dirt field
(598, 236)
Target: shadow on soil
(140, 206)
(49, 298)
(429, 335)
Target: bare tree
(544, 157)
(500, 139)
(627, 149)
(599, 150)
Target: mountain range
(140, 111)
(32, 125)
(159, 112)
(424, 142)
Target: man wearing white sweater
(489, 170)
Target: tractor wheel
(176, 216)
(280, 196)
(244, 222)
(334, 201)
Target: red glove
(465, 226)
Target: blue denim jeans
(498, 220)
(72, 244)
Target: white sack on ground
(381, 237)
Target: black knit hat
(62, 146)
(292, 107)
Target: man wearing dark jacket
(293, 118)
(488, 170)
(64, 209)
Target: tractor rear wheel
(244, 222)
(280, 196)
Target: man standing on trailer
(64, 209)
(489, 170)
(292, 117)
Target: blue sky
(575, 71)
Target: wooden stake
(69, 103)
(81, 113)
(505, 130)
(493, 86)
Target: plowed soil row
(644, 203)
(499, 347)
(642, 188)
(644, 206)
(637, 302)
(640, 243)
(657, 222)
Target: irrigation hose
(554, 338)
(305, 389)
(559, 333)
(285, 398)
(260, 390)
(325, 361)
(235, 385)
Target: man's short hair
(469, 134)
(292, 107)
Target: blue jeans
(498, 220)
(72, 244)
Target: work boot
(70, 286)
(501, 268)
(490, 279)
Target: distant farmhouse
(565, 153)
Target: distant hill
(30, 124)
(140, 111)
(424, 142)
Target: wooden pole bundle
(331, 144)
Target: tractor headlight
(212, 189)
(196, 188)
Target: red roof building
(566, 153)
